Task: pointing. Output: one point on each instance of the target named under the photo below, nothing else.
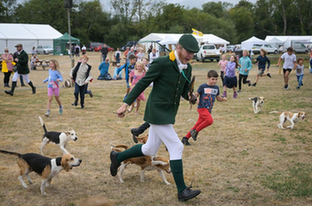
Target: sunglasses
(6, 51)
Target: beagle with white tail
(146, 163)
(46, 167)
(257, 103)
(291, 117)
(59, 138)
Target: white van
(270, 50)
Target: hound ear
(64, 162)
(67, 133)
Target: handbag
(4, 67)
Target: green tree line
(133, 19)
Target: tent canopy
(30, 35)
(61, 44)
(206, 38)
(167, 39)
(275, 42)
(247, 44)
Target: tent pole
(69, 32)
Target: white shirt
(289, 60)
(153, 56)
(179, 63)
(299, 70)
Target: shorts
(285, 70)
(261, 72)
(56, 91)
(230, 82)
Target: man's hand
(122, 110)
(192, 98)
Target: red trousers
(204, 120)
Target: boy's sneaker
(47, 114)
(61, 110)
(239, 91)
(194, 134)
(224, 94)
(91, 94)
(249, 83)
(254, 84)
(301, 84)
(235, 95)
(269, 75)
(286, 86)
(297, 87)
(185, 141)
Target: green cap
(189, 43)
(18, 45)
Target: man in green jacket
(22, 69)
(171, 77)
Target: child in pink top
(222, 65)
(135, 76)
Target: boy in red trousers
(207, 93)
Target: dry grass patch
(242, 159)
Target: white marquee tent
(163, 38)
(275, 42)
(247, 44)
(307, 40)
(27, 34)
(284, 38)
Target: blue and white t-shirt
(207, 96)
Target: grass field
(242, 159)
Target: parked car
(128, 44)
(44, 49)
(98, 48)
(208, 51)
(93, 45)
(257, 47)
(230, 48)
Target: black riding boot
(137, 131)
(12, 89)
(32, 87)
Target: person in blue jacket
(262, 59)
(104, 66)
(244, 69)
(128, 66)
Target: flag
(196, 32)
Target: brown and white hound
(46, 167)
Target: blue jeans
(299, 79)
(81, 90)
(104, 56)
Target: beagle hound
(291, 117)
(46, 167)
(59, 138)
(257, 103)
(146, 163)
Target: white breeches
(17, 75)
(166, 134)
